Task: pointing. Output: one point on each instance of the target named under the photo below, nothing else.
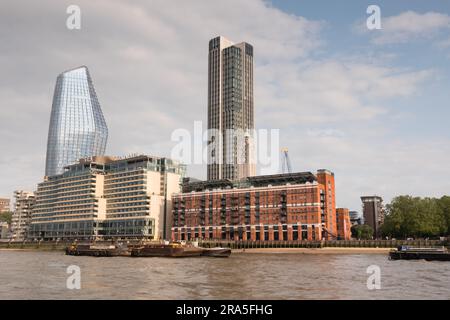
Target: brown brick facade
(257, 213)
(326, 179)
(343, 224)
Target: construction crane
(285, 162)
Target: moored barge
(428, 254)
(149, 249)
(173, 250)
(97, 250)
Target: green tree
(6, 216)
(363, 232)
(408, 216)
(444, 204)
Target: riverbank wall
(256, 246)
(321, 244)
(323, 250)
(44, 246)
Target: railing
(260, 244)
(55, 245)
(381, 243)
(319, 244)
(60, 245)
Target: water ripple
(42, 275)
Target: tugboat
(97, 250)
(428, 254)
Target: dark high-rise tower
(77, 126)
(230, 110)
(373, 213)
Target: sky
(370, 105)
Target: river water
(43, 275)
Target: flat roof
(255, 181)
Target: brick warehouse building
(294, 206)
(344, 224)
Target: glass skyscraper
(230, 110)
(77, 126)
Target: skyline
(366, 137)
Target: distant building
(343, 224)
(108, 197)
(278, 207)
(4, 230)
(4, 204)
(373, 213)
(356, 218)
(4, 226)
(21, 218)
(77, 126)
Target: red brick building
(343, 224)
(294, 206)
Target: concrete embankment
(307, 247)
(47, 246)
(59, 247)
(326, 250)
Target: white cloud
(444, 43)
(328, 132)
(409, 26)
(148, 61)
(330, 90)
(368, 161)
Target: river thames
(43, 275)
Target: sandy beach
(327, 250)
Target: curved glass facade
(77, 126)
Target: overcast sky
(372, 106)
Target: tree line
(417, 217)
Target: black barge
(98, 250)
(428, 254)
(151, 249)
